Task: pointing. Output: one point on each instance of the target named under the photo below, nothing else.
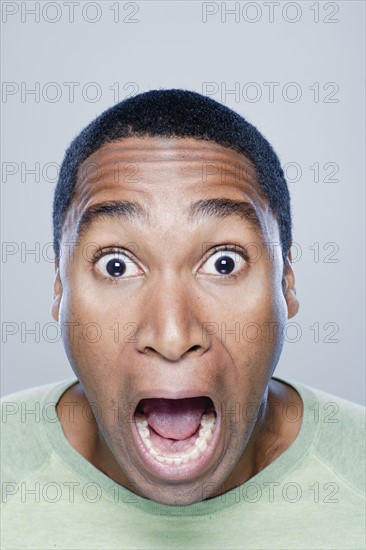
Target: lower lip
(190, 469)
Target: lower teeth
(199, 446)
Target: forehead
(152, 166)
(166, 186)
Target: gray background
(320, 119)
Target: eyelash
(231, 248)
(103, 252)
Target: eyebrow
(204, 208)
(115, 210)
(223, 208)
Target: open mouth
(177, 434)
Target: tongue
(174, 418)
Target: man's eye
(117, 265)
(224, 262)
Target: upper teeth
(205, 434)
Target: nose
(171, 321)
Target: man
(172, 236)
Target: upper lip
(172, 394)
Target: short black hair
(176, 113)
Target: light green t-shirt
(310, 497)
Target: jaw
(170, 478)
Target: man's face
(174, 313)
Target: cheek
(96, 332)
(258, 305)
(254, 361)
(253, 328)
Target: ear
(57, 293)
(289, 288)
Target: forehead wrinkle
(169, 149)
(87, 180)
(197, 156)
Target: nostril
(172, 355)
(194, 348)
